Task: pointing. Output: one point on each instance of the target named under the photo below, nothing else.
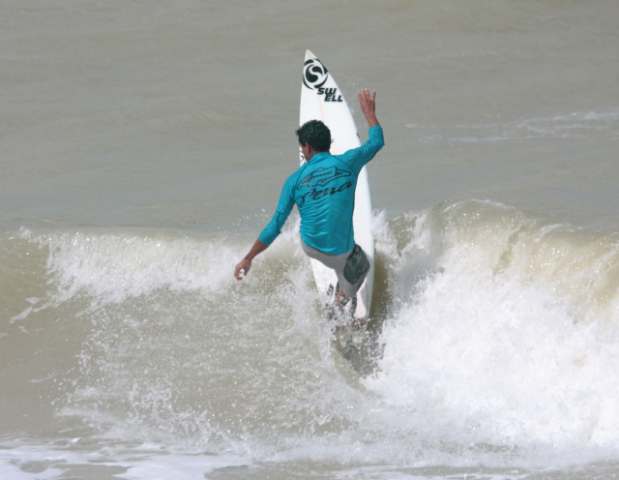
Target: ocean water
(144, 146)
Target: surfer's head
(315, 134)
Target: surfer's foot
(341, 299)
(359, 323)
(342, 306)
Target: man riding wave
(323, 189)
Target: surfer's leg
(353, 273)
(350, 268)
(341, 297)
(350, 278)
(336, 263)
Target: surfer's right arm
(367, 102)
(272, 229)
(358, 157)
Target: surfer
(323, 189)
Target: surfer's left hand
(242, 268)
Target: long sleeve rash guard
(324, 191)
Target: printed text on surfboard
(331, 94)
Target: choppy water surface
(493, 360)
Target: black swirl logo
(315, 74)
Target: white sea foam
(115, 267)
(48, 463)
(497, 347)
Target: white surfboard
(322, 99)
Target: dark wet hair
(315, 134)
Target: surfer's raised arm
(356, 158)
(367, 102)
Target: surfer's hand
(242, 268)
(367, 102)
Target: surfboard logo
(315, 74)
(331, 94)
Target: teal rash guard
(323, 190)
